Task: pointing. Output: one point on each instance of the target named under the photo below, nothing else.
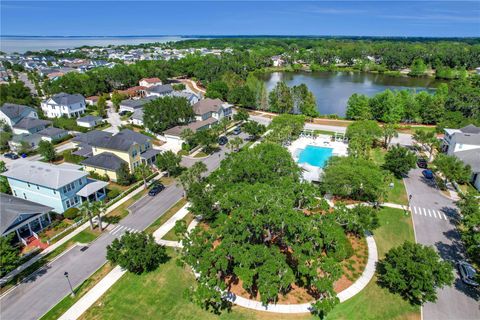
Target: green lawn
(374, 302)
(171, 234)
(398, 194)
(160, 294)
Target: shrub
(71, 213)
(97, 176)
(112, 194)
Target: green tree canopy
(355, 178)
(136, 252)
(358, 107)
(362, 134)
(452, 168)
(164, 113)
(47, 150)
(399, 160)
(280, 99)
(9, 255)
(415, 272)
(254, 129)
(170, 162)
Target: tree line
(451, 105)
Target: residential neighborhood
(235, 166)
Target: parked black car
(11, 155)
(156, 189)
(222, 140)
(467, 273)
(422, 163)
(237, 131)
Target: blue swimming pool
(315, 156)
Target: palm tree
(98, 209)
(86, 209)
(142, 172)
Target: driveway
(11, 163)
(48, 286)
(434, 218)
(114, 119)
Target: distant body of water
(23, 44)
(332, 89)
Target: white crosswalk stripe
(119, 229)
(431, 213)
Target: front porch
(28, 231)
(149, 157)
(93, 191)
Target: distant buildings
(64, 104)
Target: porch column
(96, 196)
(18, 235)
(48, 216)
(30, 229)
(40, 221)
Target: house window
(134, 153)
(28, 184)
(80, 182)
(54, 192)
(67, 203)
(38, 188)
(15, 193)
(24, 196)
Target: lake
(23, 44)
(332, 89)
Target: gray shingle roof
(104, 160)
(470, 129)
(92, 137)
(207, 105)
(45, 174)
(470, 157)
(67, 99)
(29, 123)
(12, 110)
(137, 114)
(123, 140)
(12, 207)
(52, 131)
(161, 89)
(89, 119)
(137, 103)
(467, 138)
(194, 126)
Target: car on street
(467, 273)
(422, 163)
(428, 174)
(156, 189)
(11, 155)
(237, 131)
(222, 140)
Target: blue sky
(356, 18)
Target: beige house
(127, 147)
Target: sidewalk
(113, 276)
(65, 239)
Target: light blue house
(57, 186)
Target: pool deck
(339, 148)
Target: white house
(89, 121)
(190, 96)
(466, 138)
(137, 117)
(150, 82)
(64, 104)
(11, 113)
(212, 108)
(464, 143)
(159, 91)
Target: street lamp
(69, 283)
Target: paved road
(402, 139)
(113, 118)
(434, 217)
(11, 163)
(48, 286)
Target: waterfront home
(89, 121)
(64, 104)
(60, 186)
(159, 90)
(22, 217)
(212, 108)
(125, 147)
(466, 138)
(150, 82)
(464, 143)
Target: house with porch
(64, 104)
(22, 217)
(60, 186)
(125, 147)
